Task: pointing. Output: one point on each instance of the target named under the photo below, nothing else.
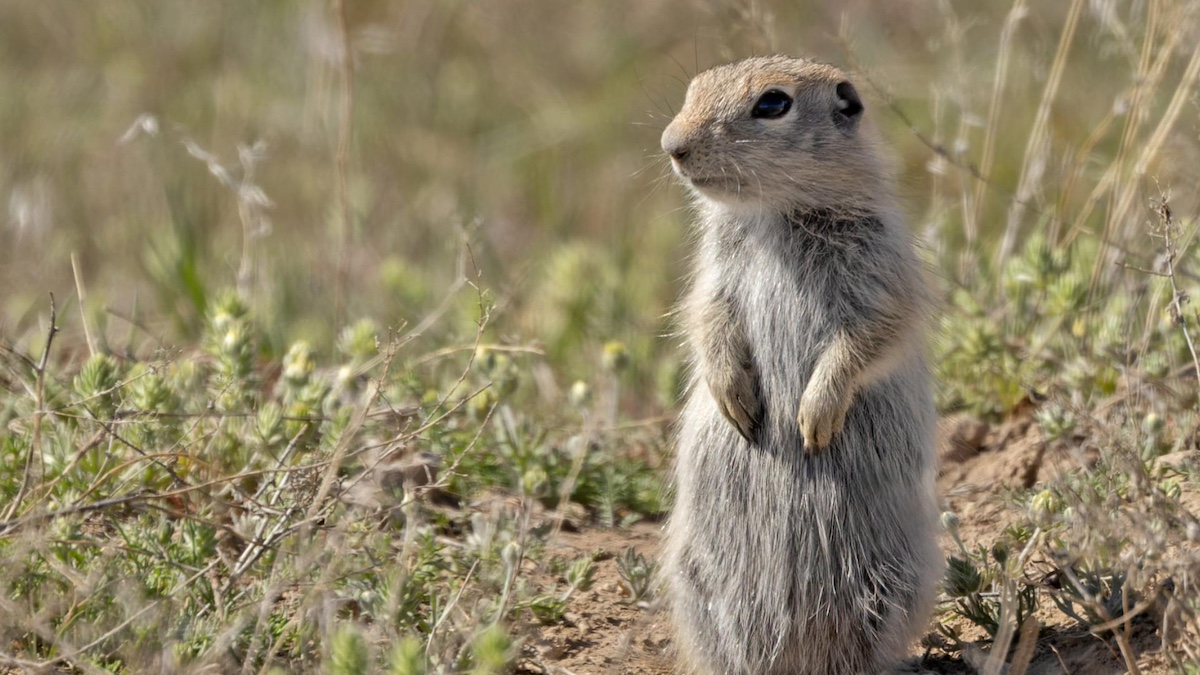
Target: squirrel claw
(739, 402)
(822, 416)
(745, 423)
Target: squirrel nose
(675, 144)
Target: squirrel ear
(848, 103)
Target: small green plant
(974, 580)
(348, 652)
(549, 609)
(1093, 598)
(408, 657)
(637, 574)
(492, 651)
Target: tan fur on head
(815, 155)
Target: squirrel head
(776, 133)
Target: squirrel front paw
(822, 415)
(737, 395)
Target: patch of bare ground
(604, 631)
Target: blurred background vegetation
(528, 131)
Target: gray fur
(805, 318)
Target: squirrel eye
(771, 105)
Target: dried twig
(1178, 297)
(40, 396)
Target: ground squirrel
(802, 540)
